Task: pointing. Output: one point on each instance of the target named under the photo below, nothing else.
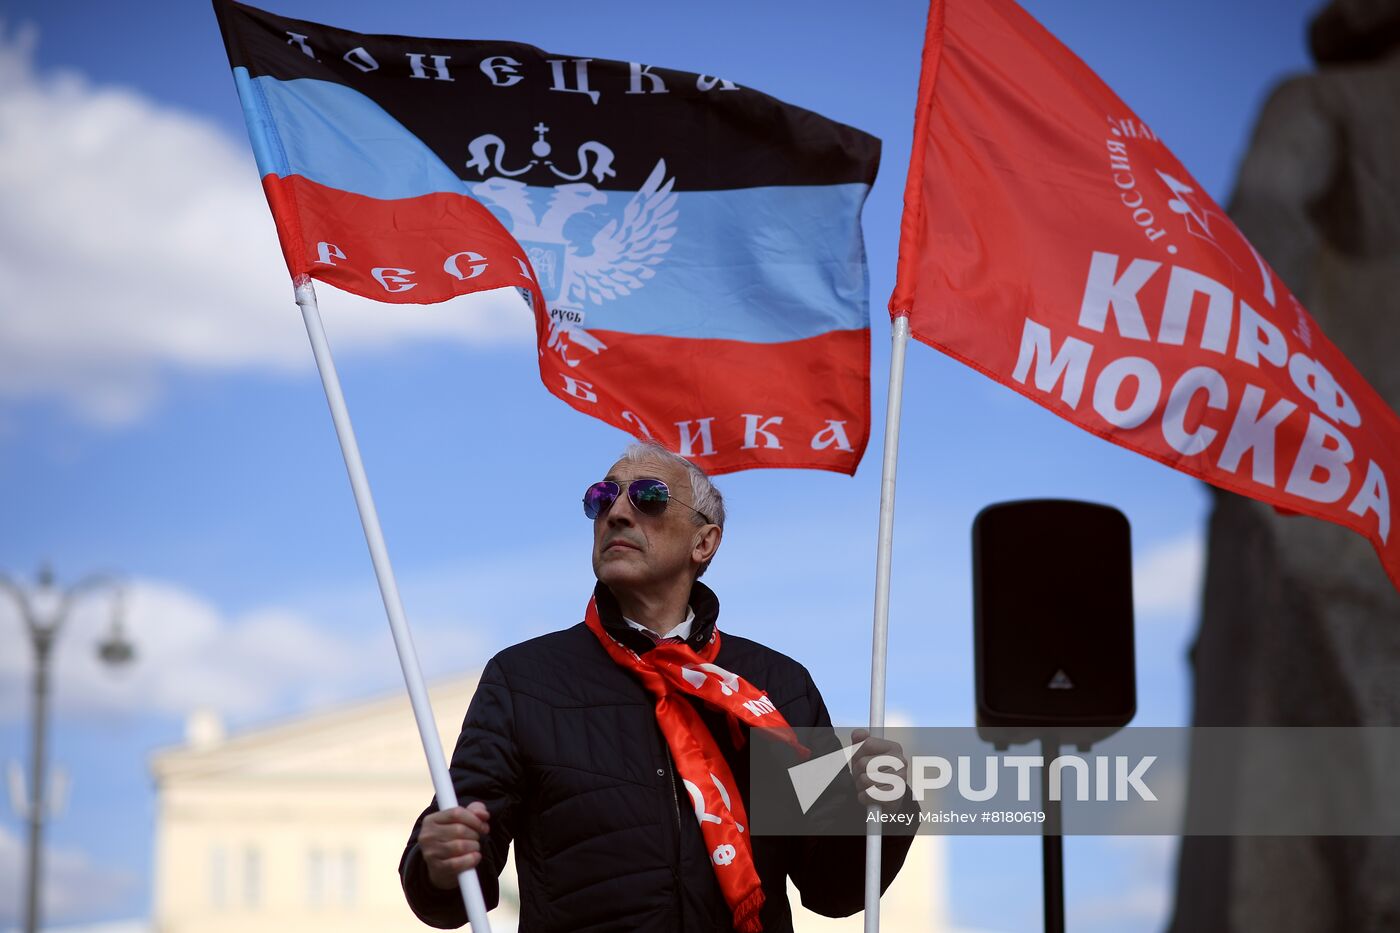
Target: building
(298, 826)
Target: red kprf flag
(1051, 241)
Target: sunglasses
(648, 496)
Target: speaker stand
(1052, 843)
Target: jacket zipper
(676, 805)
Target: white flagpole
(388, 587)
(879, 641)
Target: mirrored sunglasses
(648, 496)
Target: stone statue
(1300, 625)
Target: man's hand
(874, 748)
(450, 842)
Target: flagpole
(879, 641)
(388, 587)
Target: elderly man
(614, 753)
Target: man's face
(633, 551)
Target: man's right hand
(450, 842)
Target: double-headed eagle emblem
(585, 252)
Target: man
(615, 753)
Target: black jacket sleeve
(486, 767)
(829, 870)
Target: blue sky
(160, 414)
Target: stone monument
(1300, 626)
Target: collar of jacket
(702, 600)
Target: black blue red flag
(693, 246)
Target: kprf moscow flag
(694, 246)
(1053, 242)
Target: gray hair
(704, 495)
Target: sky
(161, 418)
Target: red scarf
(669, 670)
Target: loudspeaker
(1053, 617)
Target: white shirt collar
(681, 631)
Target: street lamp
(44, 611)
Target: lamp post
(44, 610)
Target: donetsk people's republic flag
(697, 243)
(1051, 241)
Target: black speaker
(1053, 617)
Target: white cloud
(1167, 577)
(135, 239)
(73, 885)
(189, 655)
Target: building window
(218, 878)
(332, 878)
(252, 877)
(315, 878)
(348, 871)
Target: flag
(693, 246)
(1051, 241)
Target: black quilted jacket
(562, 746)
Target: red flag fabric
(1051, 241)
